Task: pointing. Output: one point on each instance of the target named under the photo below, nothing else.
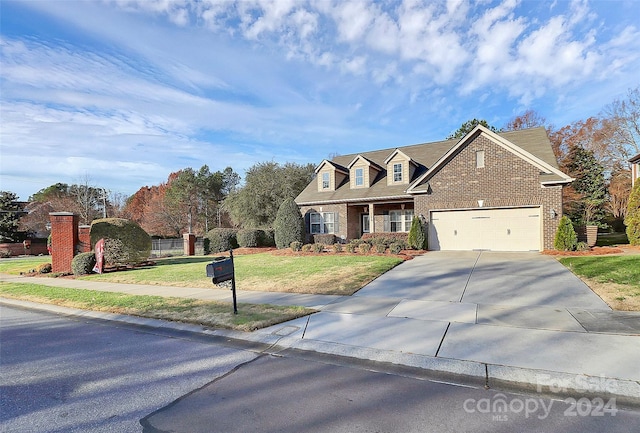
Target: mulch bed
(594, 251)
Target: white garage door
(486, 229)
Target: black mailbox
(221, 269)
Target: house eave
(355, 200)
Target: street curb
(552, 384)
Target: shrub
(248, 238)
(364, 248)
(307, 248)
(566, 238)
(4, 253)
(44, 268)
(325, 239)
(632, 220)
(351, 247)
(337, 247)
(266, 238)
(582, 246)
(222, 239)
(317, 248)
(296, 246)
(83, 263)
(380, 248)
(396, 247)
(289, 224)
(125, 242)
(385, 238)
(417, 238)
(206, 245)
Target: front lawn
(615, 278)
(206, 313)
(335, 274)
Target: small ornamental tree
(289, 224)
(632, 220)
(417, 239)
(566, 238)
(125, 242)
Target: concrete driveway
(483, 277)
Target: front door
(364, 223)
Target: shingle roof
(425, 155)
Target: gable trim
(402, 154)
(366, 160)
(502, 142)
(337, 167)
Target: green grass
(608, 239)
(623, 270)
(321, 274)
(335, 274)
(16, 266)
(206, 313)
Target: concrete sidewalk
(436, 313)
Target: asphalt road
(61, 374)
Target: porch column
(372, 219)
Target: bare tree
(622, 120)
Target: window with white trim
(400, 220)
(326, 183)
(323, 222)
(397, 172)
(359, 176)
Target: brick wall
(84, 239)
(340, 209)
(505, 181)
(18, 249)
(64, 238)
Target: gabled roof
(543, 166)
(402, 154)
(532, 144)
(338, 167)
(368, 161)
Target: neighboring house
(635, 169)
(486, 191)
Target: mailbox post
(221, 270)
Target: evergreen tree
(289, 224)
(468, 126)
(10, 213)
(417, 238)
(632, 220)
(566, 238)
(588, 192)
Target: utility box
(220, 269)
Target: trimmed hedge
(385, 238)
(248, 238)
(222, 239)
(417, 238)
(125, 242)
(266, 238)
(324, 239)
(296, 246)
(83, 263)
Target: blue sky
(125, 92)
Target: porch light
(553, 214)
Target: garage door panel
(515, 229)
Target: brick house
(635, 169)
(488, 191)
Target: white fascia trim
(404, 155)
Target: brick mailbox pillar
(64, 238)
(189, 244)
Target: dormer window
(397, 172)
(359, 176)
(326, 182)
